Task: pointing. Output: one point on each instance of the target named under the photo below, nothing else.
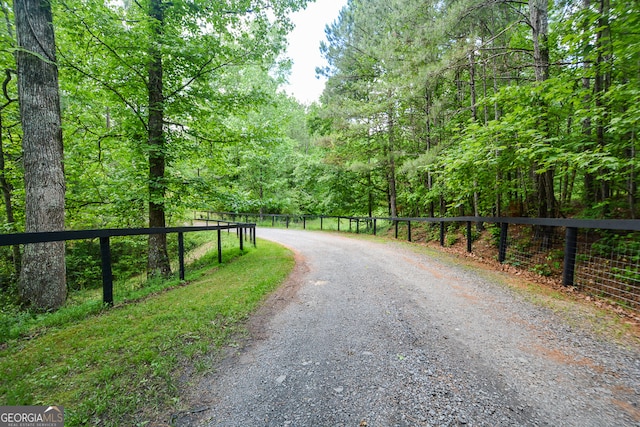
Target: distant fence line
(105, 248)
(621, 282)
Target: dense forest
(431, 108)
(485, 107)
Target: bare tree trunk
(474, 117)
(158, 258)
(496, 116)
(392, 164)
(8, 205)
(632, 185)
(539, 20)
(472, 87)
(601, 85)
(43, 277)
(369, 193)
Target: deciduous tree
(43, 275)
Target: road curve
(381, 335)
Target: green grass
(16, 323)
(121, 366)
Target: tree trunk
(589, 178)
(369, 193)
(632, 185)
(601, 85)
(472, 87)
(474, 118)
(8, 205)
(539, 19)
(496, 117)
(158, 258)
(392, 165)
(43, 277)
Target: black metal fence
(601, 257)
(244, 232)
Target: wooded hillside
(485, 107)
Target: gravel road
(375, 334)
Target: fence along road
(599, 259)
(381, 335)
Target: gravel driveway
(376, 334)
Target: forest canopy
(486, 107)
(431, 108)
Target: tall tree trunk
(589, 178)
(43, 277)
(539, 20)
(8, 205)
(158, 258)
(393, 209)
(474, 117)
(496, 117)
(427, 112)
(369, 193)
(632, 185)
(472, 86)
(601, 85)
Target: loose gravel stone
(378, 335)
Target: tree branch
(108, 47)
(5, 91)
(111, 88)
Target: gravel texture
(375, 334)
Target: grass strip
(16, 323)
(122, 366)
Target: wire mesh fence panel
(608, 266)
(607, 260)
(538, 250)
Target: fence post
(241, 242)
(287, 221)
(409, 230)
(441, 233)
(321, 217)
(468, 236)
(357, 225)
(107, 275)
(219, 246)
(570, 250)
(338, 223)
(374, 226)
(181, 254)
(304, 222)
(396, 225)
(502, 251)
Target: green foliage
(84, 276)
(472, 129)
(84, 265)
(542, 269)
(130, 374)
(619, 245)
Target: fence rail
(568, 243)
(105, 248)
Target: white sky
(304, 48)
